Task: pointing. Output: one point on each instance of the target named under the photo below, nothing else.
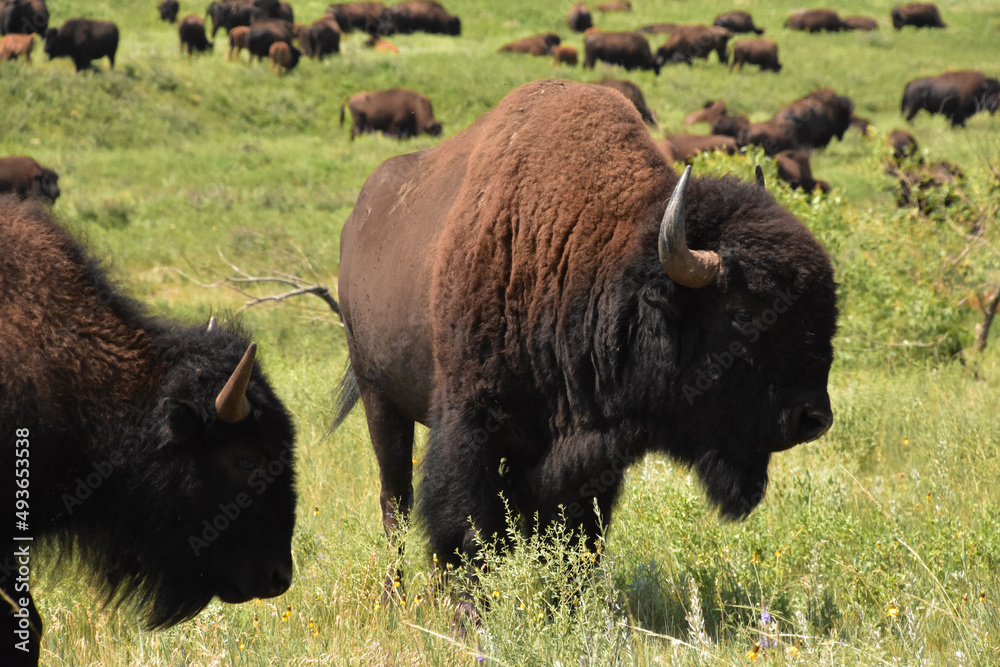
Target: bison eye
(742, 318)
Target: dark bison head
(47, 183)
(53, 46)
(990, 95)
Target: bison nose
(813, 421)
(281, 579)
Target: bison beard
(546, 319)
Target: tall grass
(879, 544)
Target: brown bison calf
(917, 14)
(536, 45)
(760, 52)
(396, 112)
(794, 169)
(237, 40)
(22, 176)
(283, 56)
(12, 46)
(192, 34)
(564, 55)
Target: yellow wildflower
(240, 644)
(893, 611)
(753, 653)
(793, 651)
(496, 595)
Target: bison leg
(392, 440)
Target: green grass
(879, 544)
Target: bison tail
(347, 397)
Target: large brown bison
(22, 176)
(917, 14)
(694, 41)
(192, 34)
(626, 49)
(396, 112)
(633, 94)
(272, 9)
(169, 10)
(956, 95)
(794, 169)
(24, 17)
(13, 46)
(579, 19)
(815, 20)
(737, 21)
(687, 146)
(370, 17)
(552, 326)
(155, 453)
(320, 38)
(83, 40)
(536, 45)
(429, 16)
(760, 52)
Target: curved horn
(690, 268)
(231, 405)
(759, 175)
(212, 324)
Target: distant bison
(579, 18)
(902, 143)
(536, 45)
(24, 17)
(773, 135)
(815, 20)
(229, 14)
(731, 125)
(794, 169)
(711, 112)
(686, 146)
(694, 41)
(83, 40)
(192, 34)
(760, 52)
(272, 9)
(554, 302)
(918, 15)
(957, 95)
(265, 33)
(14, 45)
(737, 21)
(284, 57)
(423, 16)
(633, 94)
(626, 49)
(658, 28)
(20, 175)
(237, 41)
(818, 117)
(370, 17)
(321, 38)
(916, 183)
(169, 10)
(564, 55)
(862, 23)
(616, 6)
(396, 112)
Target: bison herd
(578, 345)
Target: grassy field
(878, 544)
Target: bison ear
(759, 175)
(184, 420)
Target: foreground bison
(956, 95)
(917, 14)
(83, 41)
(552, 326)
(22, 176)
(396, 112)
(157, 453)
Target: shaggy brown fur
(12, 46)
(633, 94)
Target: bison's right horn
(690, 268)
(759, 175)
(231, 405)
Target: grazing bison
(272, 9)
(192, 34)
(536, 45)
(773, 135)
(711, 111)
(917, 14)
(903, 144)
(265, 33)
(423, 16)
(370, 17)
(564, 55)
(818, 117)
(731, 125)
(229, 14)
(616, 6)
(320, 39)
(633, 94)
(760, 52)
(83, 40)
(237, 40)
(22, 176)
(169, 10)
(552, 326)
(686, 146)
(815, 20)
(24, 17)
(737, 21)
(14, 45)
(396, 112)
(159, 456)
(794, 169)
(863, 23)
(284, 57)
(627, 49)
(694, 41)
(579, 18)
(956, 95)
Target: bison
(284, 57)
(737, 21)
(579, 18)
(711, 111)
(552, 326)
(169, 10)
(14, 45)
(818, 117)
(694, 41)
(83, 40)
(627, 49)
(903, 144)
(265, 33)
(794, 169)
(633, 94)
(773, 135)
(731, 125)
(396, 112)
(370, 17)
(536, 45)
(423, 16)
(24, 17)
(229, 14)
(237, 41)
(321, 38)
(159, 455)
(956, 95)
(22, 176)
(192, 34)
(272, 9)
(615, 6)
(564, 55)
(863, 23)
(686, 146)
(917, 14)
(760, 52)
(815, 20)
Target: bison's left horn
(231, 405)
(759, 175)
(690, 268)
